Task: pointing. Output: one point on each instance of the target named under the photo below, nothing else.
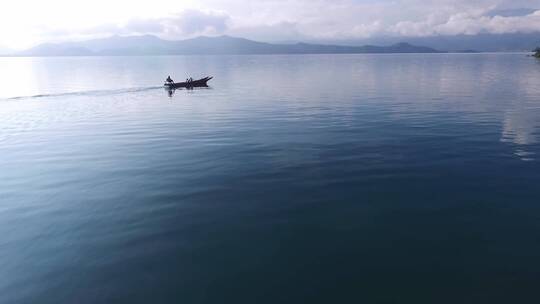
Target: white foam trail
(87, 93)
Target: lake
(292, 179)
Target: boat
(191, 84)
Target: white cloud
(185, 24)
(191, 22)
(468, 24)
(262, 19)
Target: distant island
(537, 52)
(222, 45)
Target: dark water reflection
(378, 179)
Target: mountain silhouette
(151, 45)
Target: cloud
(281, 31)
(185, 24)
(191, 22)
(267, 20)
(468, 24)
(143, 26)
(350, 19)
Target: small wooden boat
(191, 84)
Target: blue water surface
(292, 179)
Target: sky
(26, 23)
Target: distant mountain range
(486, 42)
(151, 45)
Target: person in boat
(169, 80)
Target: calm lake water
(293, 179)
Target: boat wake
(87, 93)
